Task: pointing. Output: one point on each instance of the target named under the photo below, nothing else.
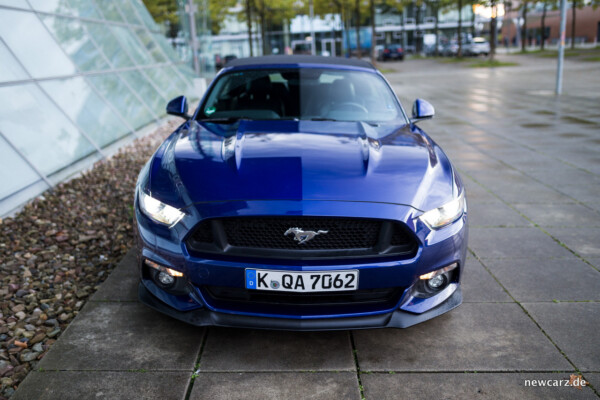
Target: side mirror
(422, 110)
(179, 107)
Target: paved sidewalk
(531, 164)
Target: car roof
(299, 59)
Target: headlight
(446, 214)
(159, 211)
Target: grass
(453, 60)
(597, 58)
(492, 64)
(553, 53)
(386, 70)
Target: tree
(249, 25)
(218, 10)
(524, 26)
(547, 4)
(543, 25)
(493, 30)
(439, 5)
(373, 33)
(325, 7)
(357, 11)
(267, 13)
(575, 4)
(459, 28)
(436, 30)
(164, 11)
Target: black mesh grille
(399, 236)
(335, 233)
(286, 237)
(204, 233)
(363, 296)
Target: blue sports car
(300, 196)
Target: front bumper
(205, 317)
(437, 249)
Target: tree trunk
(263, 38)
(417, 41)
(573, 8)
(249, 25)
(493, 31)
(472, 19)
(348, 26)
(524, 28)
(342, 43)
(373, 36)
(459, 29)
(544, 25)
(437, 30)
(358, 51)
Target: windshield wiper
(323, 119)
(372, 123)
(225, 120)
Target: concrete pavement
(531, 165)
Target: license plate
(304, 282)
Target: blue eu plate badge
(250, 279)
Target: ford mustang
(300, 196)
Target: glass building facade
(78, 78)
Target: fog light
(165, 278)
(438, 272)
(165, 270)
(437, 281)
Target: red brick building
(587, 26)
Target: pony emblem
(302, 236)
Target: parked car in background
(300, 196)
(392, 52)
(229, 57)
(479, 46)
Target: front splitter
(204, 317)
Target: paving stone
(258, 350)
(470, 166)
(275, 386)
(109, 385)
(122, 283)
(595, 261)
(574, 328)
(593, 203)
(474, 337)
(584, 241)
(594, 379)
(479, 286)
(514, 243)
(478, 194)
(124, 336)
(567, 279)
(494, 215)
(563, 215)
(514, 187)
(459, 386)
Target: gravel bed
(57, 250)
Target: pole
(313, 48)
(561, 45)
(191, 9)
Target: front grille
(337, 237)
(240, 299)
(268, 232)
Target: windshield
(301, 93)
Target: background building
(78, 79)
(587, 25)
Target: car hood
(301, 160)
